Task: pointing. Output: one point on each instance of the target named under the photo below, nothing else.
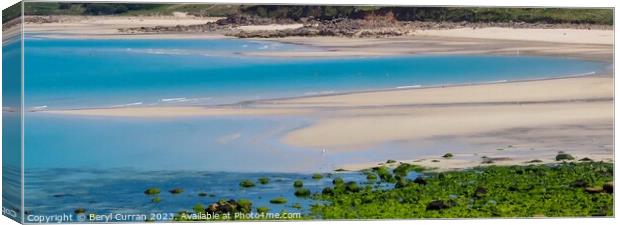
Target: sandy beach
(575, 117)
(527, 120)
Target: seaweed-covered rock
(390, 161)
(79, 211)
(447, 155)
(176, 191)
(302, 192)
(298, 184)
(317, 176)
(230, 206)
(563, 156)
(152, 191)
(246, 184)
(278, 200)
(263, 180)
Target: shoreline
(589, 44)
(270, 101)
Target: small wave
(155, 51)
(38, 108)
(585, 74)
(126, 105)
(173, 99)
(410, 86)
(183, 99)
(320, 93)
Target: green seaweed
(482, 192)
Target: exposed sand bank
(536, 118)
(574, 36)
(84, 27)
(443, 42)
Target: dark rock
(420, 181)
(609, 187)
(176, 191)
(564, 156)
(480, 192)
(439, 205)
(79, 211)
(579, 184)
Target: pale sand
(573, 36)
(591, 46)
(84, 27)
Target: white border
(535, 3)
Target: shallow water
(54, 191)
(104, 164)
(107, 73)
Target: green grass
(493, 191)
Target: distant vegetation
(295, 12)
(11, 12)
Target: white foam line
(125, 105)
(410, 86)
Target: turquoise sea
(104, 164)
